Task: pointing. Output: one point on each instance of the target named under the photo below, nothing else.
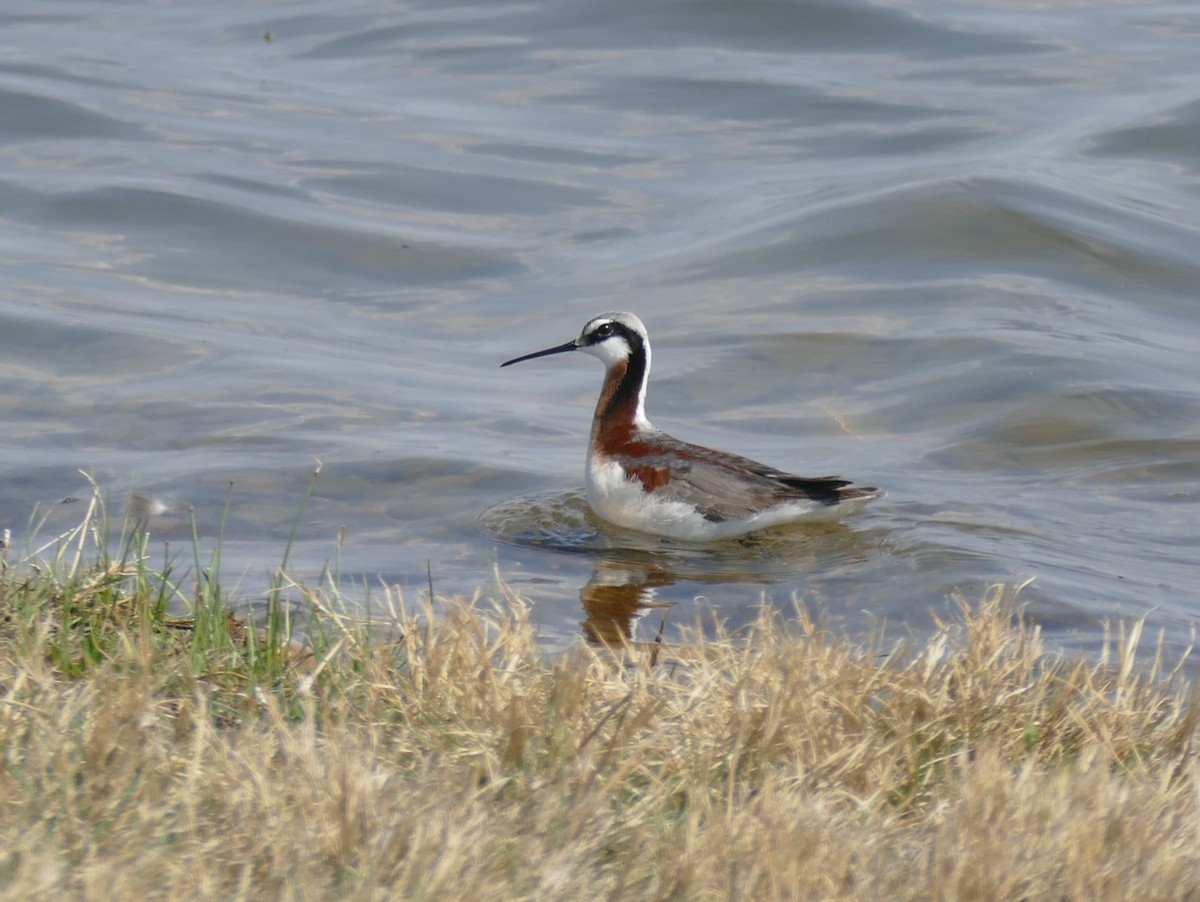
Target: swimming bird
(641, 478)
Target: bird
(641, 478)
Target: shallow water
(944, 248)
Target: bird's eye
(604, 330)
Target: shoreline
(183, 757)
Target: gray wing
(723, 486)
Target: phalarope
(641, 478)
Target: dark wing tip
(829, 490)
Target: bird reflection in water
(621, 592)
(617, 596)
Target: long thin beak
(569, 346)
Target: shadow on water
(631, 567)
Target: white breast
(622, 500)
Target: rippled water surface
(950, 249)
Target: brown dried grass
(454, 758)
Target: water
(944, 248)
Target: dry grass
(456, 760)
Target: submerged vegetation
(152, 755)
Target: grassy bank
(158, 757)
